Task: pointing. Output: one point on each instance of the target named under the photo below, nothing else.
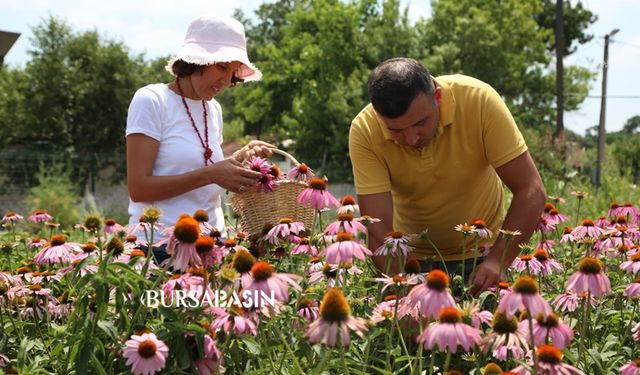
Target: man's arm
(521, 176)
(378, 206)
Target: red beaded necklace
(204, 142)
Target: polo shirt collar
(447, 109)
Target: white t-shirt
(159, 113)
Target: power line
(608, 96)
(626, 44)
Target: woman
(174, 130)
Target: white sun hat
(215, 38)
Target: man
(431, 153)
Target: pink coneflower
(308, 310)
(344, 249)
(258, 164)
(569, 301)
(301, 173)
(527, 263)
(335, 321)
(145, 354)
(303, 246)
(524, 296)
(395, 243)
(627, 211)
(549, 362)
(317, 195)
(449, 332)
(506, 339)
(57, 251)
(328, 272)
(234, 319)
(399, 281)
(4, 361)
(589, 278)
(432, 296)
(587, 229)
(345, 223)
(633, 289)
(471, 310)
(544, 226)
(631, 368)
(40, 216)
(208, 253)
(549, 265)
(183, 240)
(36, 242)
(554, 217)
(552, 328)
(348, 205)
(632, 265)
(284, 231)
(385, 310)
(266, 280)
(243, 262)
(567, 235)
(481, 228)
(111, 226)
(11, 217)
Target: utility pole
(559, 69)
(603, 110)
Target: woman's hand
(254, 148)
(231, 175)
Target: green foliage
(55, 192)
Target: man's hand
(486, 275)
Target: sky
(156, 28)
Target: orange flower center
(395, 234)
(479, 223)
(567, 230)
(621, 220)
(492, 369)
(197, 271)
(243, 261)
(147, 349)
(204, 244)
(304, 303)
(525, 285)
(541, 255)
(328, 272)
(554, 212)
(303, 241)
(348, 200)
(285, 220)
(590, 265)
(503, 285)
(36, 240)
(526, 258)
(343, 236)
(315, 260)
(131, 238)
(502, 325)
(635, 257)
(201, 215)
(109, 222)
(57, 240)
(390, 297)
(22, 270)
(399, 279)
(450, 315)
(262, 271)
(303, 168)
(548, 207)
(549, 354)
(636, 362)
(588, 223)
(187, 230)
(136, 253)
(318, 183)
(230, 243)
(39, 212)
(614, 204)
(89, 247)
(550, 321)
(345, 217)
(10, 214)
(334, 306)
(35, 287)
(437, 280)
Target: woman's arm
(144, 187)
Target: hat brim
(195, 54)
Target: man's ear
(437, 95)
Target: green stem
(533, 345)
(291, 353)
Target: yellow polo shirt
(451, 180)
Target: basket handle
(286, 155)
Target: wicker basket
(258, 208)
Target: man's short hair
(395, 83)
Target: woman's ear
(437, 95)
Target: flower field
(306, 299)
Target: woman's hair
(395, 83)
(183, 69)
